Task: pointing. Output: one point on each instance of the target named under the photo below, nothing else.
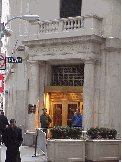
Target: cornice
(93, 16)
(67, 40)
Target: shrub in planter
(93, 133)
(111, 133)
(56, 132)
(60, 132)
(101, 132)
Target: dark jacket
(12, 140)
(3, 122)
(77, 120)
(12, 137)
(45, 120)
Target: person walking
(12, 137)
(3, 123)
(45, 120)
(77, 119)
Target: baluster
(46, 26)
(70, 23)
(75, 23)
(61, 25)
(82, 22)
(78, 25)
(65, 26)
(56, 25)
(79, 22)
(41, 28)
(64, 23)
(50, 26)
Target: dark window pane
(70, 8)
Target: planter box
(65, 150)
(103, 150)
(29, 139)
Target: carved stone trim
(67, 40)
(94, 16)
(64, 49)
(33, 63)
(89, 60)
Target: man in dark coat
(45, 120)
(12, 137)
(3, 123)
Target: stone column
(88, 94)
(42, 83)
(33, 92)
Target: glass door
(62, 112)
(57, 114)
(72, 106)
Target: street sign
(2, 61)
(14, 59)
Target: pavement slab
(26, 154)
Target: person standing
(77, 119)
(12, 137)
(45, 120)
(3, 123)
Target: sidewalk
(26, 154)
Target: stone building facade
(70, 62)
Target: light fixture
(30, 18)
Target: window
(68, 75)
(70, 8)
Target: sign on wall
(1, 83)
(14, 59)
(2, 61)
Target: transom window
(68, 75)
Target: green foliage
(60, 132)
(102, 132)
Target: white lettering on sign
(14, 60)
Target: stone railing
(63, 24)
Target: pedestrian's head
(12, 123)
(77, 111)
(2, 113)
(44, 110)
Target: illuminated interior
(61, 106)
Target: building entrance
(61, 111)
(62, 102)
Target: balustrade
(63, 24)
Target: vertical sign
(1, 83)
(2, 61)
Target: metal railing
(40, 143)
